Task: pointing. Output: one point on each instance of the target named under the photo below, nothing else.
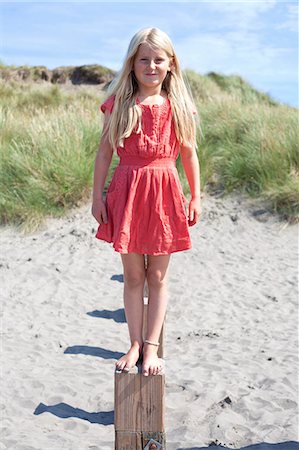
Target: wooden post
(139, 410)
(139, 405)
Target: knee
(155, 278)
(134, 279)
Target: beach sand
(231, 333)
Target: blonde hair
(126, 114)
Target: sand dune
(231, 334)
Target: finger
(195, 219)
(97, 215)
(98, 218)
(191, 214)
(104, 215)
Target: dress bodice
(157, 137)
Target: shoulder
(108, 104)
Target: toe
(120, 365)
(117, 365)
(151, 370)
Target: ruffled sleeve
(108, 104)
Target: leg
(157, 302)
(134, 277)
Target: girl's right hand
(99, 211)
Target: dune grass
(48, 144)
(49, 138)
(250, 143)
(254, 149)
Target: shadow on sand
(119, 278)
(93, 351)
(65, 411)
(117, 315)
(289, 445)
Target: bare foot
(126, 362)
(151, 364)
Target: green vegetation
(89, 74)
(48, 144)
(250, 142)
(50, 135)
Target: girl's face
(150, 66)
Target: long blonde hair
(126, 114)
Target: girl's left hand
(194, 210)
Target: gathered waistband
(137, 161)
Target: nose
(152, 64)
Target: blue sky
(257, 40)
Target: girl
(149, 119)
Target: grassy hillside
(87, 74)
(250, 142)
(50, 134)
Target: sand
(231, 333)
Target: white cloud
(247, 7)
(237, 52)
(291, 21)
(246, 15)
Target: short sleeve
(108, 104)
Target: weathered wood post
(139, 411)
(139, 405)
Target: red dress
(145, 202)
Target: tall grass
(48, 144)
(49, 138)
(250, 143)
(254, 149)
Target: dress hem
(122, 251)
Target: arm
(192, 170)
(101, 167)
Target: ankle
(153, 343)
(137, 345)
(150, 349)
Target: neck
(151, 92)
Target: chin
(152, 83)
